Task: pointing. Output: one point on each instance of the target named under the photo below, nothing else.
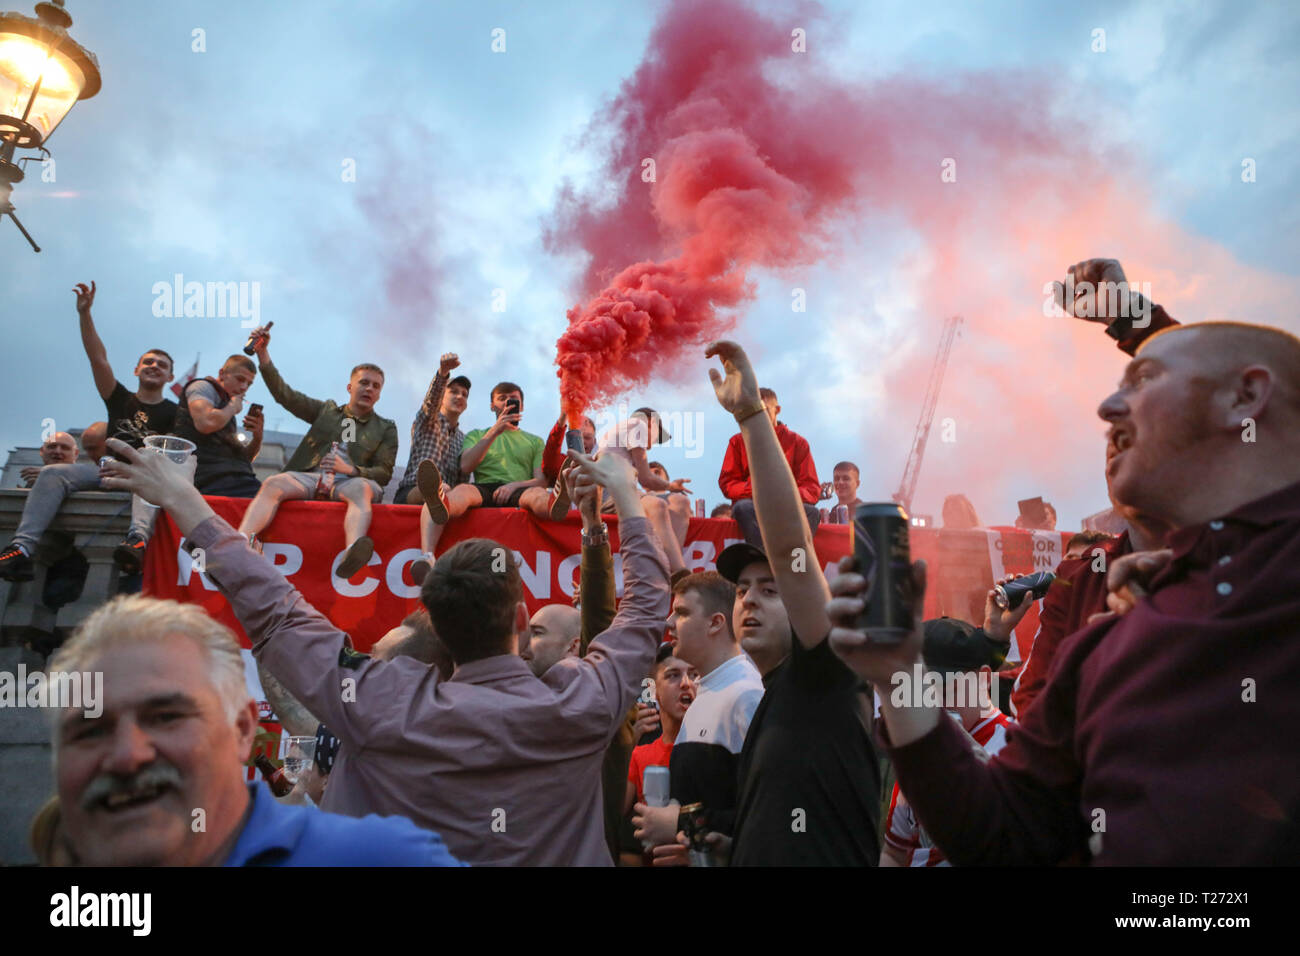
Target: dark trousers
(231, 486)
(742, 509)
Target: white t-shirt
(632, 432)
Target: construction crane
(912, 471)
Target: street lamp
(43, 72)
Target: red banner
(305, 543)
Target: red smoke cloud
(765, 160)
(744, 176)
(759, 153)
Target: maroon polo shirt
(1169, 736)
(1078, 592)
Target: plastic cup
(176, 449)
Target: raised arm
(624, 653)
(105, 380)
(777, 501)
(293, 716)
(308, 655)
(1096, 290)
(296, 403)
(433, 398)
(597, 576)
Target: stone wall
(92, 522)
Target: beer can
(102, 462)
(841, 514)
(1009, 596)
(699, 507)
(826, 515)
(883, 551)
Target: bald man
(554, 632)
(59, 476)
(1157, 739)
(93, 438)
(59, 449)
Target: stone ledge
(92, 522)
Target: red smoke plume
(744, 175)
(764, 159)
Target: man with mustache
(131, 416)
(156, 777)
(505, 765)
(1205, 427)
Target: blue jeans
(53, 484)
(742, 510)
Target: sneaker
(356, 558)
(421, 567)
(129, 555)
(559, 501)
(15, 565)
(429, 482)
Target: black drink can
(1010, 595)
(883, 551)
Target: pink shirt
(503, 765)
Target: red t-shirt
(653, 754)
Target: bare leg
(459, 500)
(656, 512)
(679, 514)
(356, 521)
(537, 501)
(261, 510)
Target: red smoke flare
(745, 175)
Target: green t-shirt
(512, 456)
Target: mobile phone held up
(1033, 511)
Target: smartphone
(1032, 510)
(573, 441)
(512, 406)
(255, 409)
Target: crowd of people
(349, 454)
(478, 733)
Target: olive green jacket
(373, 448)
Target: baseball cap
(954, 646)
(737, 557)
(653, 416)
(460, 380)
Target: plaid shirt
(435, 438)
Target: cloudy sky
(224, 156)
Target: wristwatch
(596, 538)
